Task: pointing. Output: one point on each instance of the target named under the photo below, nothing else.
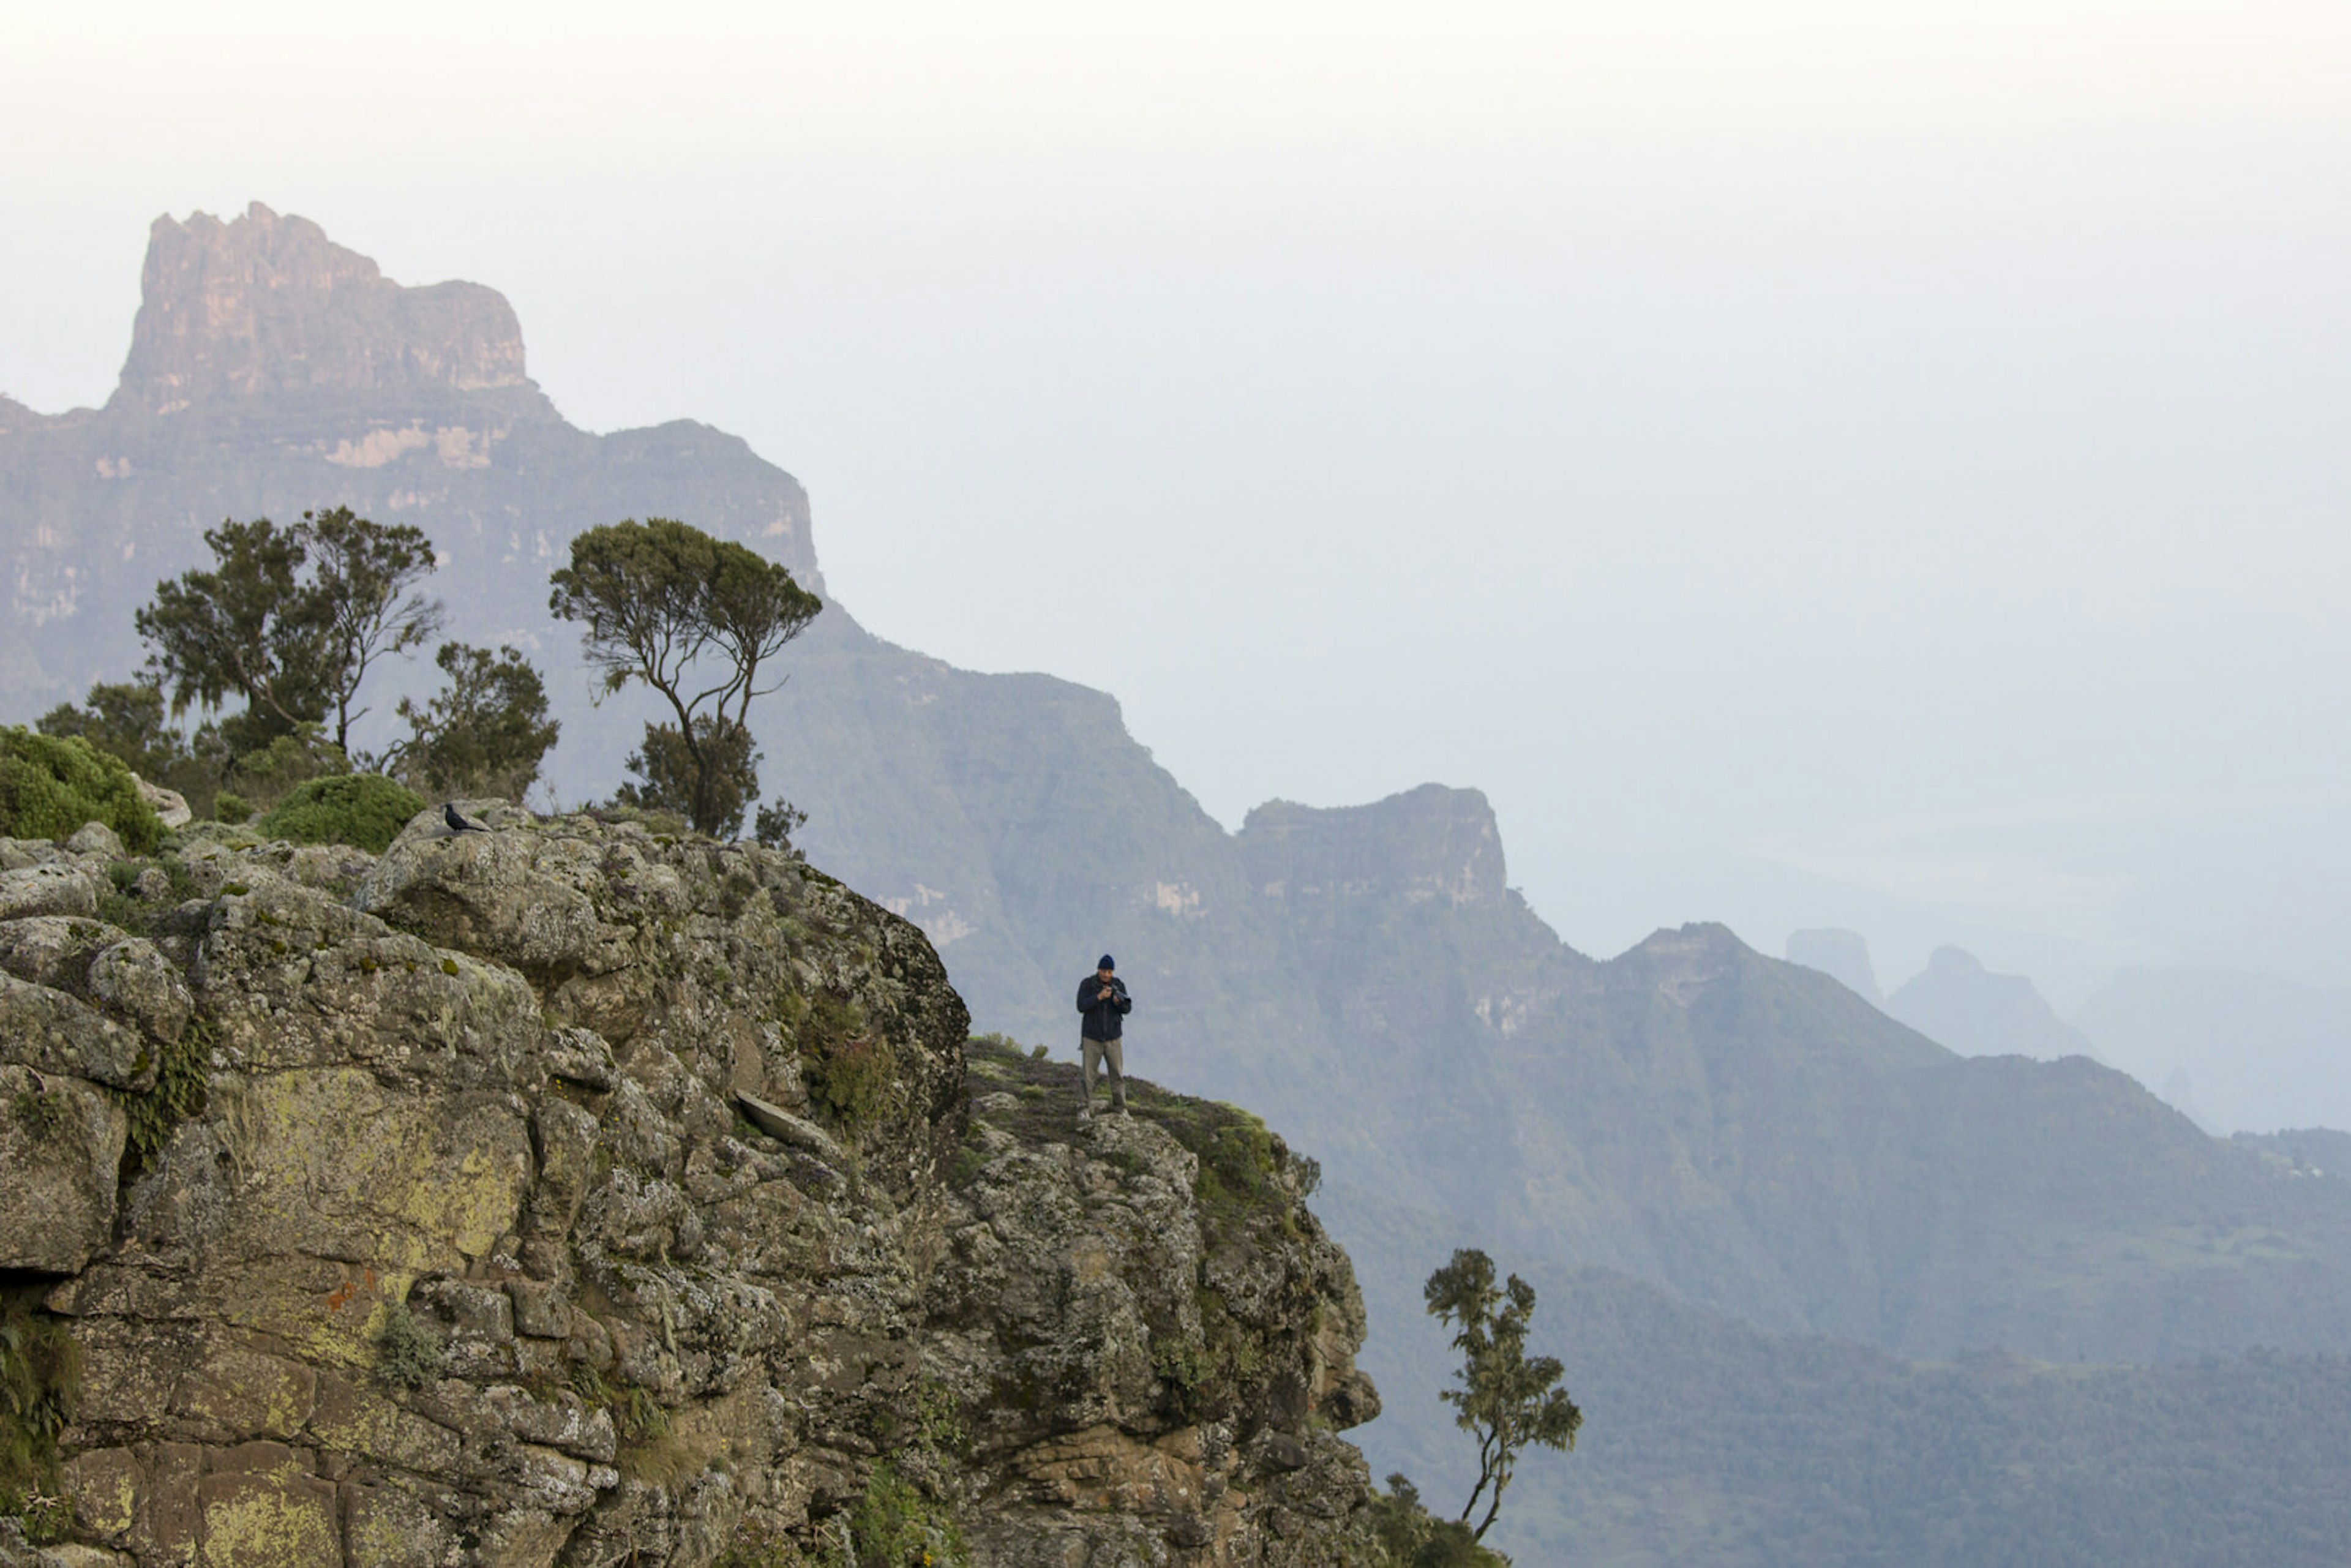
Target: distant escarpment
(271, 371)
(571, 1194)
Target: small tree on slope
(1505, 1398)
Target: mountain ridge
(1744, 1133)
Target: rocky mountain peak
(266, 305)
(1957, 1002)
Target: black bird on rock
(458, 824)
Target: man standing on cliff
(1103, 1002)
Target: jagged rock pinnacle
(265, 306)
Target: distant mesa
(1957, 1002)
(1432, 843)
(265, 307)
(1840, 954)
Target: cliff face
(565, 1193)
(265, 307)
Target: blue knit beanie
(1105, 963)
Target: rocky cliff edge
(569, 1193)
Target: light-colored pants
(1108, 1052)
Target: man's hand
(1103, 995)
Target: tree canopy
(289, 620)
(695, 619)
(1505, 1398)
(485, 732)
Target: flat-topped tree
(695, 618)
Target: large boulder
(60, 1145)
(53, 1033)
(171, 807)
(59, 888)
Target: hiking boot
(1126, 1114)
(1085, 1115)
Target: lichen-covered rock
(58, 887)
(61, 1142)
(96, 838)
(570, 1193)
(44, 1028)
(171, 807)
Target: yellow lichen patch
(104, 1486)
(474, 1204)
(351, 1420)
(269, 1522)
(333, 1164)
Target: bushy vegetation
(128, 719)
(850, 1072)
(1395, 1530)
(364, 810)
(894, 1525)
(289, 620)
(485, 733)
(40, 1371)
(710, 781)
(272, 642)
(50, 785)
(409, 1352)
(1504, 1398)
(694, 619)
(181, 1080)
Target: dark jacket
(1103, 1019)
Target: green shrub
(231, 808)
(856, 1081)
(1395, 1530)
(409, 1351)
(40, 1369)
(894, 1525)
(46, 1520)
(364, 810)
(850, 1072)
(267, 776)
(50, 785)
(1183, 1366)
(182, 1080)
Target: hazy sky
(1818, 464)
